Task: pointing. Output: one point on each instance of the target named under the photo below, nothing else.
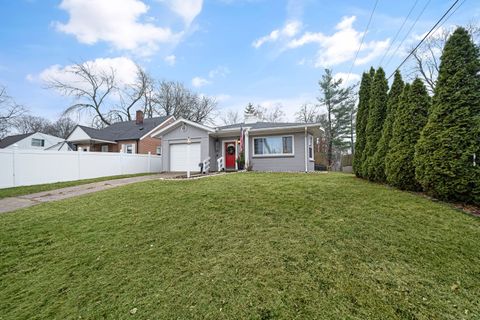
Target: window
(310, 148)
(105, 148)
(129, 148)
(38, 142)
(159, 150)
(273, 146)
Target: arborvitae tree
(362, 118)
(410, 119)
(383, 145)
(376, 117)
(448, 152)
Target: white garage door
(182, 160)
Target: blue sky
(265, 52)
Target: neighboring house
(62, 146)
(267, 146)
(128, 136)
(35, 141)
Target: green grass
(241, 246)
(20, 191)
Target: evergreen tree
(447, 153)
(376, 117)
(250, 109)
(362, 118)
(336, 121)
(410, 119)
(383, 144)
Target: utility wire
(450, 15)
(361, 42)
(398, 32)
(425, 37)
(408, 33)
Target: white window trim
(254, 155)
(124, 148)
(103, 146)
(310, 146)
(156, 150)
(42, 141)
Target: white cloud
(117, 22)
(170, 60)
(187, 9)
(290, 30)
(198, 82)
(347, 78)
(219, 72)
(334, 49)
(124, 68)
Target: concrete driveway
(19, 202)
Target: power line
(398, 32)
(425, 37)
(450, 15)
(361, 42)
(408, 33)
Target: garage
(181, 159)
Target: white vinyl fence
(29, 167)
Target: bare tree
(275, 114)
(131, 94)
(9, 112)
(307, 113)
(29, 124)
(61, 128)
(427, 57)
(230, 117)
(174, 99)
(90, 90)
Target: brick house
(127, 136)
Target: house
(128, 136)
(267, 146)
(34, 141)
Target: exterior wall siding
(282, 163)
(179, 136)
(149, 144)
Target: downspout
(306, 151)
(247, 148)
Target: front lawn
(241, 246)
(20, 191)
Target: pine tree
(410, 119)
(361, 123)
(449, 147)
(383, 144)
(336, 121)
(376, 117)
(250, 109)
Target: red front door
(230, 155)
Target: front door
(230, 155)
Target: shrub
(376, 117)
(450, 141)
(409, 122)
(383, 145)
(361, 121)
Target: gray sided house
(267, 146)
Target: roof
(126, 130)
(59, 145)
(263, 125)
(7, 141)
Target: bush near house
(450, 141)
(410, 119)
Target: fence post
(149, 162)
(79, 150)
(14, 158)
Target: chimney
(250, 118)
(139, 117)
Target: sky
(238, 51)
